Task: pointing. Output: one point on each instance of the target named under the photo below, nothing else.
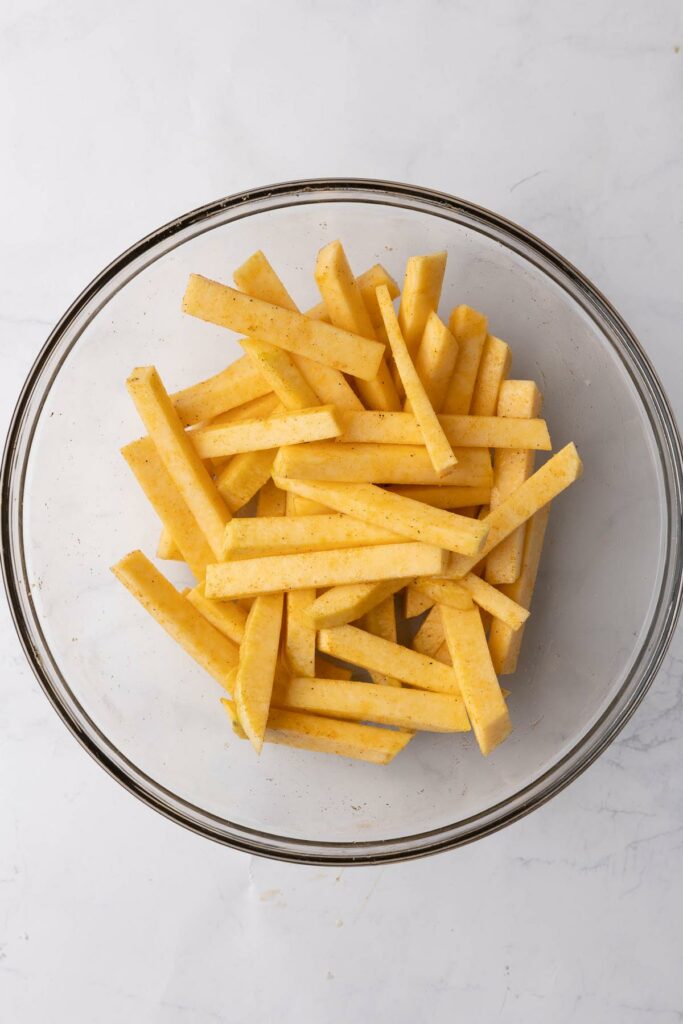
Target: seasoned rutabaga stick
(282, 373)
(469, 328)
(518, 398)
(297, 506)
(257, 665)
(262, 536)
(381, 621)
(178, 455)
(271, 501)
(477, 680)
(322, 569)
(457, 594)
(174, 613)
(505, 643)
(346, 309)
(348, 602)
(368, 282)
(379, 463)
(299, 635)
(167, 549)
(420, 295)
(222, 305)
(244, 475)
(395, 513)
(435, 361)
(239, 383)
(449, 497)
(168, 503)
(328, 735)
(366, 702)
(226, 616)
(430, 636)
(259, 408)
(441, 454)
(546, 483)
(493, 369)
(414, 602)
(284, 428)
(372, 652)
(325, 669)
(370, 427)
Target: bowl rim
(584, 751)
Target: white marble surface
(567, 119)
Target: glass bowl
(607, 597)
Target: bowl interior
(146, 702)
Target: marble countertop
(563, 117)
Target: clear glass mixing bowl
(607, 597)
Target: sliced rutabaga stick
(518, 398)
(368, 282)
(446, 497)
(244, 475)
(346, 309)
(349, 602)
(458, 594)
(328, 736)
(546, 483)
(297, 506)
(168, 503)
(282, 373)
(167, 549)
(381, 621)
(505, 643)
(259, 408)
(420, 295)
(380, 463)
(367, 702)
(239, 383)
(430, 636)
(463, 431)
(271, 501)
(372, 652)
(394, 513)
(477, 680)
(257, 278)
(493, 369)
(178, 455)
(414, 602)
(257, 538)
(222, 305)
(284, 428)
(442, 456)
(299, 635)
(322, 569)
(225, 616)
(325, 669)
(181, 620)
(435, 361)
(469, 328)
(257, 665)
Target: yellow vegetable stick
(322, 569)
(479, 686)
(394, 513)
(325, 669)
(367, 702)
(414, 603)
(345, 603)
(299, 635)
(381, 621)
(328, 736)
(177, 453)
(256, 409)
(447, 496)
(282, 373)
(271, 501)
(520, 398)
(443, 654)
(469, 328)
(239, 383)
(168, 503)
(458, 594)
(345, 306)
(222, 305)
(493, 369)
(226, 616)
(297, 506)
(379, 463)
(369, 427)
(505, 643)
(255, 538)
(181, 620)
(442, 456)
(546, 483)
(244, 475)
(430, 636)
(372, 652)
(420, 296)
(368, 282)
(257, 278)
(317, 424)
(167, 548)
(257, 664)
(435, 361)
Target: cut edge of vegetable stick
(470, 329)
(342, 604)
(225, 616)
(494, 367)
(435, 361)
(381, 620)
(257, 665)
(238, 383)
(290, 427)
(420, 295)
